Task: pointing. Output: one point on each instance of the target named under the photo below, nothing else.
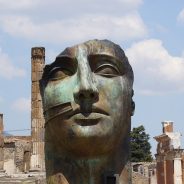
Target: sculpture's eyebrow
(97, 59)
(63, 58)
(109, 58)
(105, 58)
(61, 61)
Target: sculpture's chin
(82, 137)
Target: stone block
(35, 87)
(39, 66)
(36, 96)
(36, 104)
(36, 76)
(38, 123)
(38, 134)
(36, 113)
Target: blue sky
(150, 32)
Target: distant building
(144, 173)
(170, 156)
(17, 152)
(24, 154)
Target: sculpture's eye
(59, 73)
(107, 70)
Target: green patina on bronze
(87, 99)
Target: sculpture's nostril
(81, 96)
(87, 95)
(92, 95)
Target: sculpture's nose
(86, 89)
(86, 94)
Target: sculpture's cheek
(58, 92)
(112, 91)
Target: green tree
(139, 145)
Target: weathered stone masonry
(37, 119)
(1, 144)
(169, 156)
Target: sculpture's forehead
(94, 48)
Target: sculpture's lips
(65, 111)
(94, 113)
(92, 119)
(88, 118)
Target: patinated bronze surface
(87, 98)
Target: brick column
(37, 119)
(169, 172)
(160, 171)
(177, 171)
(1, 145)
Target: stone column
(177, 171)
(169, 172)
(1, 145)
(37, 119)
(160, 170)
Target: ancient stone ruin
(37, 119)
(170, 156)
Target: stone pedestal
(37, 119)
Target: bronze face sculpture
(87, 98)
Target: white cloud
(22, 105)
(156, 71)
(58, 21)
(125, 27)
(16, 5)
(70, 7)
(131, 3)
(180, 17)
(62, 5)
(7, 69)
(182, 54)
